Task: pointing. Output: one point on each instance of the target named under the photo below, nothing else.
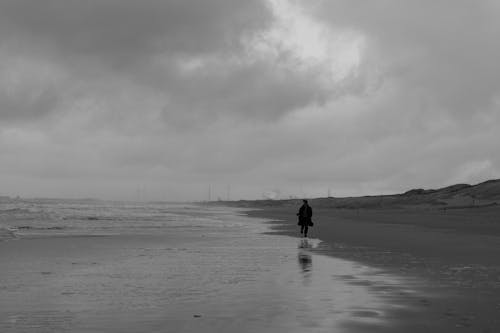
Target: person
(305, 214)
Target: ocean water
(30, 218)
(97, 266)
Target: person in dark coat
(305, 214)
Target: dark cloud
(257, 91)
(363, 97)
(125, 41)
(127, 28)
(27, 103)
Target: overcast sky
(158, 99)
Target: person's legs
(301, 228)
(306, 228)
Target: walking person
(305, 214)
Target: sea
(105, 266)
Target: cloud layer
(115, 98)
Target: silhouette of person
(305, 214)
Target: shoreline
(188, 282)
(454, 254)
(446, 262)
(6, 234)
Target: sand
(233, 276)
(433, 271)
(456, 252)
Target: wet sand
(137, 284)
(231, 277)
(456, 253)
(376, 271)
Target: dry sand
(455, 251)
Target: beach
(78, 266)
(155, 267)
(455, 252)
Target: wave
(15, 211)
(94, 218)
(29, 227)
(6, 234)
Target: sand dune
(450, 197)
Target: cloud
(293, 96)
(442, 50)
(201, 58)
(28, 87)
(131, 29)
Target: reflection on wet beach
(305, 261)
(216, 272)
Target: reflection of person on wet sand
(305, 214)
(305, 260)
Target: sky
(245, 99)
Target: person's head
(305, 201)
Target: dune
(450, 197)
